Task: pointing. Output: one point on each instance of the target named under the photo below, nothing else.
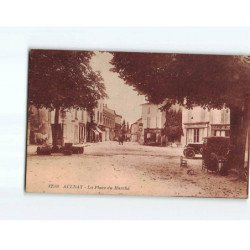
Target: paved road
(132, 169)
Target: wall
(152, 117)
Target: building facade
(75, 126)
(118, 126)
(95, 130)
(153, 120)
(136, 130)
(199, 123)
(73, 123)
(108, 123)
(72, 126)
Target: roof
(117, 115)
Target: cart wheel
(190, 153)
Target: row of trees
(211, 81)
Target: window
(221, 133)
(76, 114)
(196, 135)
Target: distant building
(109, 116)
(199, 123)
(95, 131)
(118, 126)
(153, 120)
(136, 130)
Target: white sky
(122, 98)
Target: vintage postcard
(130, 123)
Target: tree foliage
(210, 81)
(173, 125)
(207, 80)
(63, 79)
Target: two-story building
(200, 122)
(153, 120)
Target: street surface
(129, 169)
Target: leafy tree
(59, 80)
(211, 81)
(173, 125)
(124, 127)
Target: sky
(122, 98)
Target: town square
(143, 169)
(119, 132)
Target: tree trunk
(235, 136)
(56, 128)
(245, 140)
(239, 122)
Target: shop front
(152, 136)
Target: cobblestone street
(129, 169)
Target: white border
(124, 13)
(14, 45)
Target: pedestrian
(121, 139)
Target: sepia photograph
(138, 123)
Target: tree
(127, 126)
(60, 80)
(173, 125)
(211, 81)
